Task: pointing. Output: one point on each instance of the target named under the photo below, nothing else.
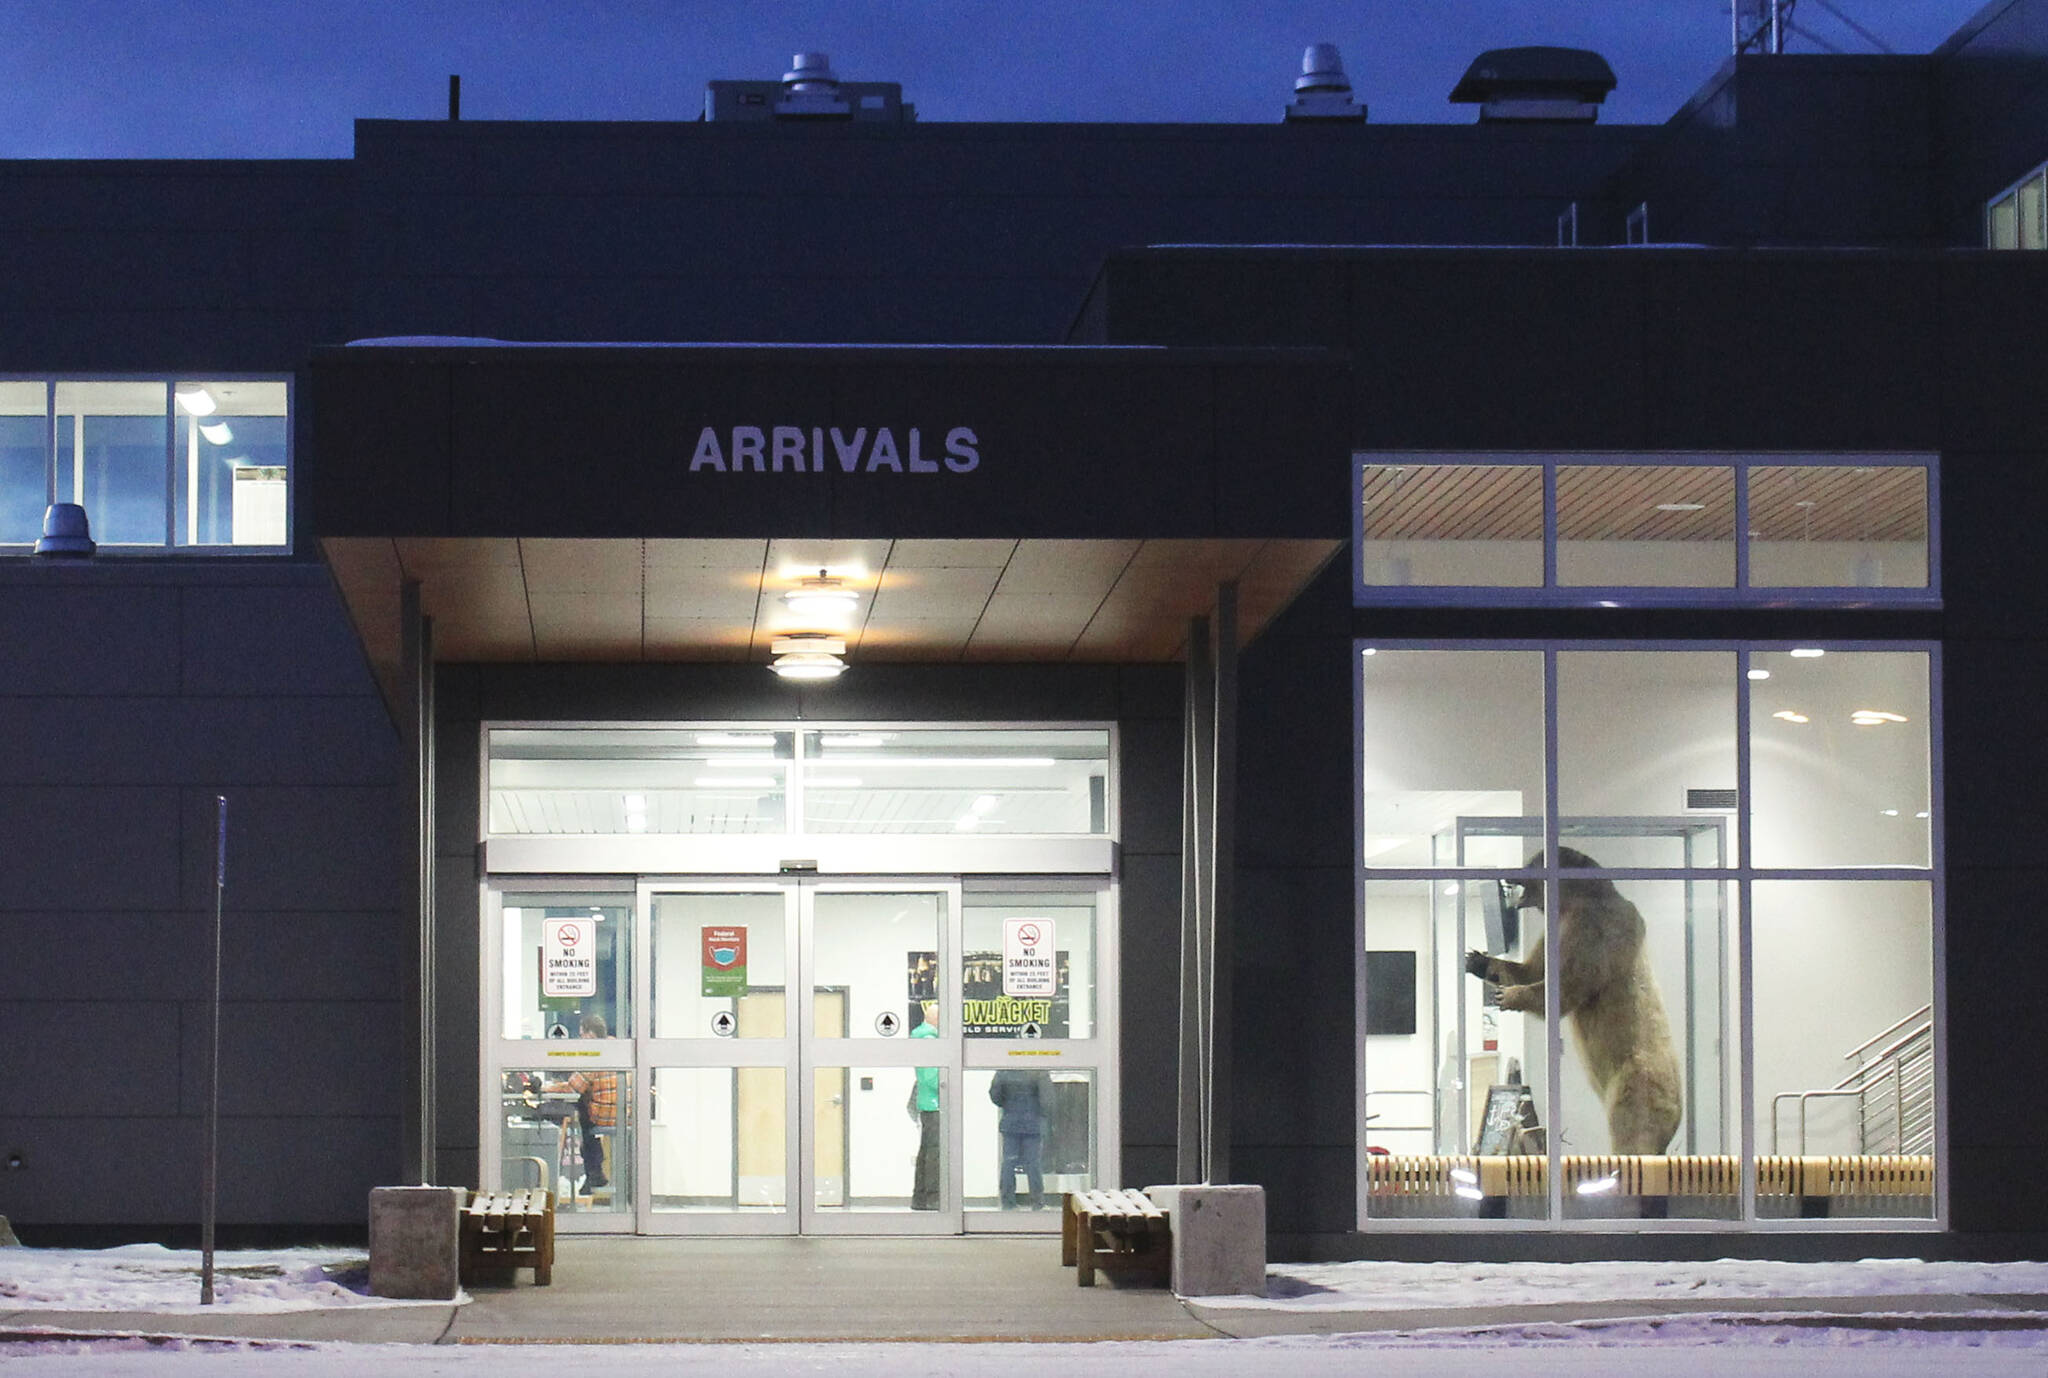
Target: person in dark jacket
(1026, 1101)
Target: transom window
(1635, 530)
(159, 464)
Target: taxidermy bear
(1608, 998)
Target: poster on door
(725, 961)
(568, 958)
(985, 1012)
(1027, 959)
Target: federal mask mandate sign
(1028, 969)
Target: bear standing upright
(1608, 997)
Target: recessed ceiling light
(1807, 653)
(1789, 716)
(1759, 674)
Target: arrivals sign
(568, 958)
(830, 449)
(725, 961)
(1028, 970)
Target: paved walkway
(785, 1289)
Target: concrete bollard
(1219, 1239)
(415, 1245)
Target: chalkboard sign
(1508, 1110)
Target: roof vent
(1322, 91)
(1543, 85)
(809, 90)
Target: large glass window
(1609, 529)
(157, 463)
(1562, 1037)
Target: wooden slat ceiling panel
(1453, 502)
(629, 601)
(1626, 502)
(1837, 502)
(1623, 502)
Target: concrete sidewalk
(1004, 1288)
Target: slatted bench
(1120, 1232)
(504, 1231)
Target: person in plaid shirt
(597, 1107)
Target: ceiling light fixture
(1806, 653)
(823, 595)
(197, 401)
(808, 655)
(1759, 674)
(1789, 716)
(1871, 717)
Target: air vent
(1723, 800)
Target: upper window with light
(1638, 530)
(2017, 218)
(159, 465)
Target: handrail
(1926, 1010)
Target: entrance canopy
(654, 503)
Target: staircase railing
(1892, 1084)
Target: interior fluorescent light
(895, 761)
(735, 782)
(1789, 716)
(1759, 674)
(196, 401)
(636, 803)
(1807, 653)
(1889, 813)
(217, 432)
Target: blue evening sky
(285, 78)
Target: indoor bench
(1120, 1232)
(503, 1231)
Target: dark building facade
(1263, 566)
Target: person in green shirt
(924, 1108)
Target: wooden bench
(504, 1231)
(1120, 1232)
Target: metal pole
(212, 1188)
(1222, 822)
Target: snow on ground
(1696, 1349)
(149, 1277)
(1411, 1286)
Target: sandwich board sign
(568, 964)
